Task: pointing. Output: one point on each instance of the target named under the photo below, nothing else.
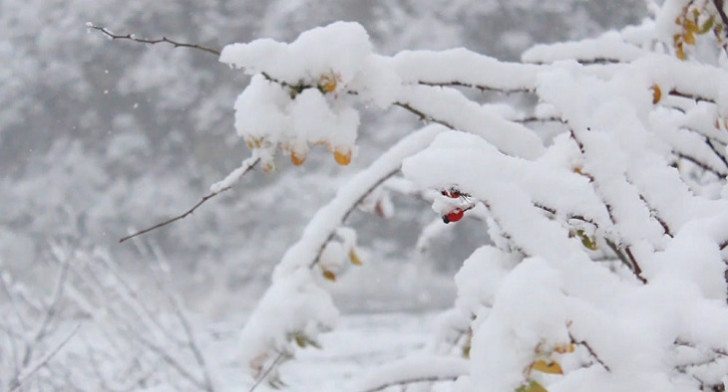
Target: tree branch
(267, 371)
(411, 380)
(246, 168)
(348, 212)
(165, 40)
(17, 382)
(483, 88)
(590, 350)
(723, 17)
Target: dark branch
(723, 17)
(423, 116)
(189, 211)
(411, 381)
(348, 212)
(267, 371)
(696, 98)
(716, 152)
(131, 37)
(533, 119)
(590, 350)
(480, 87)
(701, 164)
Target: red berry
(453, 216)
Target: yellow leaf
(707, 25)
(300, 341)
(342, 156)
(689, 38)
(329, 275)
(680, 52)
(354, 257)
(656, 93)
(328, 82)
(551, 367)
(297, 157)
(587, 241)
(532, 386)
(690, 27)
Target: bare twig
(267, 371)
(132, 37)
(30, 370)
(50, 313)
(423, 116)
(205, 198)
(723, 17)
(590, 350)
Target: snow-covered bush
(604, 200)
(606, 265)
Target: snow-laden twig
(428, 368)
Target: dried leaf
(532, 386)
(354, 258)
(707, 25)
(329, 275)
(342, 156)
(297, 157)
(689, 37)
(656, 93)
(587, 241)
(301, 340)
(551, 367)
(680, 52)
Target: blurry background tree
(99, 138)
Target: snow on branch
(297, 293)
(424, 368)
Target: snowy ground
(361, 342)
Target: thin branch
(44, 325)
(205, 198)
(715, 151)
(18, 382)
(701, 164)
(348, 212)
(456, 83)
(423, 116)
(267, 371)
(723, 17)
(696, 98)
(192, 342)
(590, 350)
(534, 119)
(412, 380)
(171, 361)
(132, 37)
